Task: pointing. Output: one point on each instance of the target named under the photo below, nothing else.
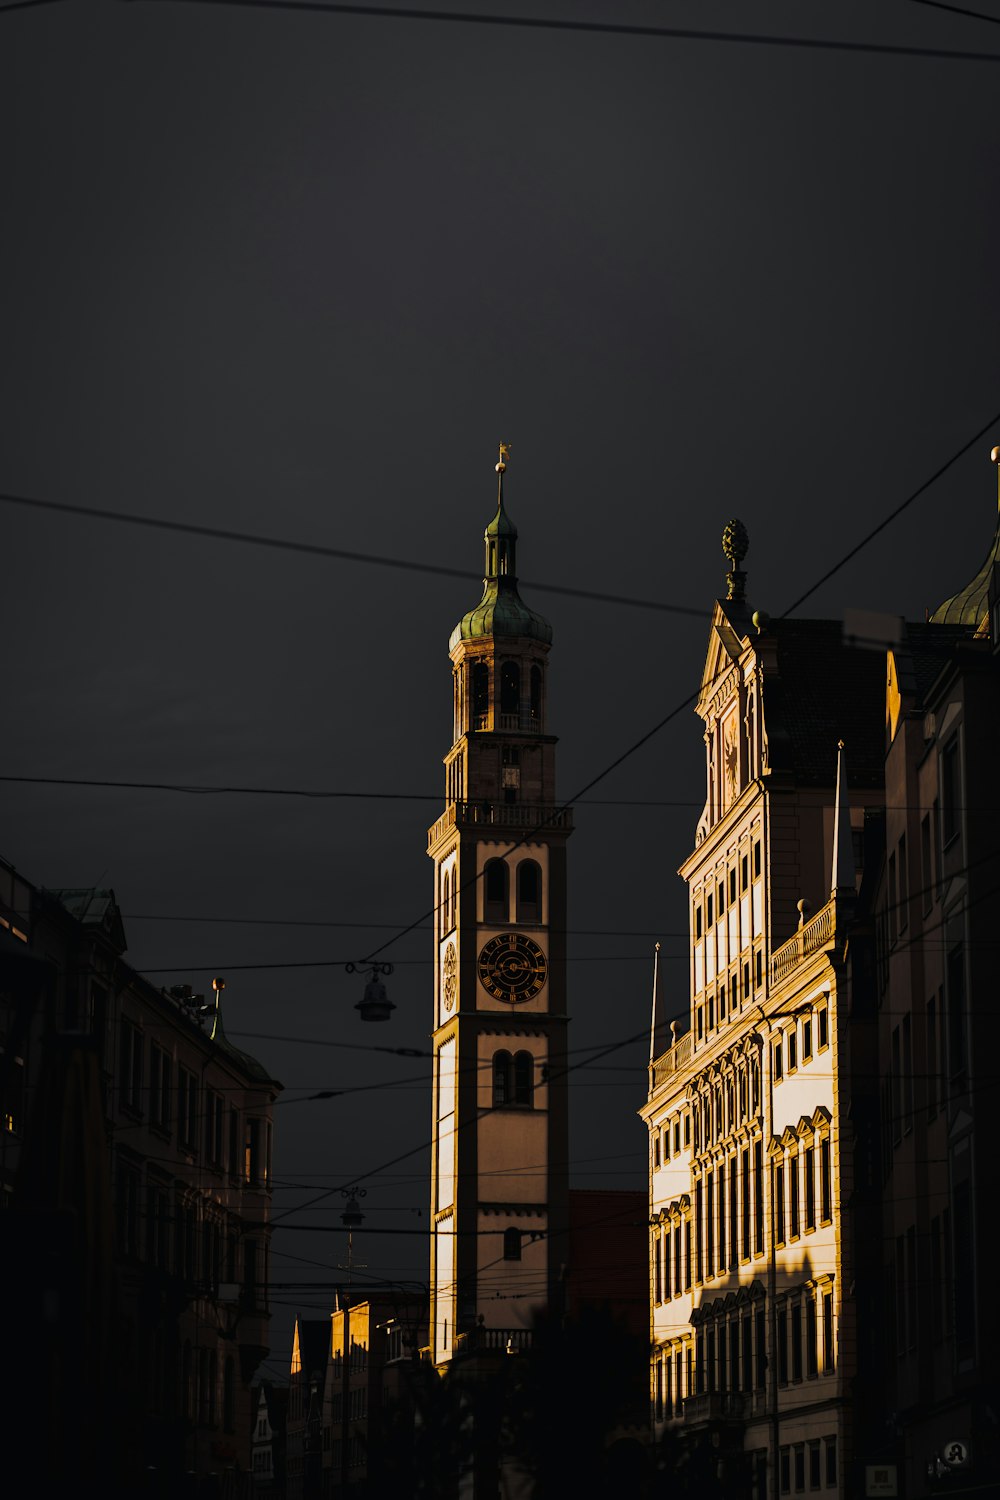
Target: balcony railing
(494, 1340)
(675, 1058)
(711, 1406)
(817, 933)
(523, 815)
(524, 722)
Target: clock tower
(499, 1173)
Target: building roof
(501, 611)
(969, 605)
(92, 907)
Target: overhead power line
(599, 28)
(341, 554)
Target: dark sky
(296, 274)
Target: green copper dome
(970, 604)
(501, 611)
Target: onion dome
(969, 605)
(501, 611)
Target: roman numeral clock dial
(512, 968)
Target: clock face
(449, 977)
(512, 968)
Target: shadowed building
(939, 1035)
(135, 1148)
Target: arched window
(497, 891)
(536, 696)
(480, 693)
(446, 922)
(529, 891)
(510, 688)
(512, 1244)
(524, 1078)
(501, 1079)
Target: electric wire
(605, 28)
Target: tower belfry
(499, 1172)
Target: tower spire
(842, 874)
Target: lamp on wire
(375, 1004)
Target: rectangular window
(785, 1470)
(955, 974)
(812, 1347)
(904, 885)
(807, 1039)
(677, 1135)
(828, 1356)
(809, 1172)
(665, 1247)
(666, 1143)
(892, 898)
(214, 1115)
(687, 1255)
(756, 859)
(758, 1188)
(697, 921)
(830, 1447)
(187, 1109)
(825, 1182)
(678, 1260)
(949, 779)
(233, 1162)
(745, 1195)
(793, 1050)
(822, 1028)
(130, 1064)
(932, 1059)
(799, 1466)
(160, 1087)
(793, 1196)
(906, 1080)
(782, 1346)
(777, 1065)
(657, 1264)
(815, 1465)
(779, 1203)
(926, 865)
(744, 872)
(796, 1340)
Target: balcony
(715, 1406)
(676, 1057)
(493, 1341)
(818, 933)
(524, 816)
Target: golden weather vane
(504, 455)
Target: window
(793, 1195)
(187, 1109)
(796, 1340)
(932, 1060)
(809, 1165)
(697, 921)
(812, 1351)
(234, 1144)
(214, 1108)
(510, 689)
(822, 1028)
(785, 1470)
(778, 1072)
(807, 1039)
(892, 898)
(480, 694)
(536, 695)
(799, 1469)
(904, 885)
(512, 1244)
(779, 1203)
(131, 1066)
(793, 1049)
(828, 1352)
(815, 1465)
(926, 865)
(825, 1182)
(782, 1346)
(446, 902)
(756, 859)
(949, 778)
(830, 1447)
(529, 891)
(524, 1068)
(159, 1087)
(732, 884)
(497, 890)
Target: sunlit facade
(753, 1151)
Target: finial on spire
(735, 546)
(504, 455)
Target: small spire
(842, 874)
(656, 1020)
(735, 546)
